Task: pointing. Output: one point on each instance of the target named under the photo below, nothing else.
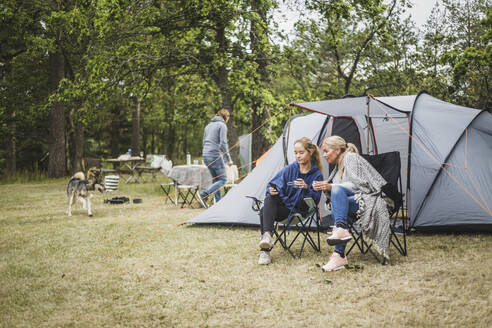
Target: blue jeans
(342, 203)
(218, 172)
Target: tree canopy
(92, 78)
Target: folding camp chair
(168, 189)
(388, 165)
(187, 195)
(302, 226)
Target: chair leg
(302, 229)
(184, 195)
(402, 249)
(186, 201)
(181, 195)
(282, 239)
(194, 197)
(358, 241)
(167, 191)
(189, 198)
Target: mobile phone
(273, 185)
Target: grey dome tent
(445, 149)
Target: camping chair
(187, 194)
(168, 189)
(301, 225)
(388, 165)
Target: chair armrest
(256, 203)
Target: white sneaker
(335, 263)
(339, 236)
(266, 240)
(265, 258)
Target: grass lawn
(134, 265)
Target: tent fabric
(436, 128)
(245, 155)
(358, 105)
(347, 129)
(460, 193)
(446, 157)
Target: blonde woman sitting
(354, 188)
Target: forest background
(92, 78)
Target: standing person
(352, 187)
(286, 192)
(215, 152)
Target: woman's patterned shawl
(373, 209)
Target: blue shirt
(291, 196)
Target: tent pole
(288, 135)
(368, 125)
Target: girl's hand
(321, 185)
(299, 183)
(273, 191)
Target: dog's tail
(78, 176)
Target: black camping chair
(302, 226)
(388, 165)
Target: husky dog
(80, 188)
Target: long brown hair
(337, 142)
(224, 113)
(312, 149)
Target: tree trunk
(170, 140)
(145, 138)
(78, 142)
(222, 80)
(114, 139)
(259, 142)
(12, 146)
(259, 38)
(136, 128)
(152, 144)
(57, 165)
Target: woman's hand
(273, 191)
(321, 185)
(299, 183)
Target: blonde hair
(312, 149)
(224, 113)
(337, 142)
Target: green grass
(134, 265)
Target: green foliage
(471, 62)
(185, 59)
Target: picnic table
(127, 166)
